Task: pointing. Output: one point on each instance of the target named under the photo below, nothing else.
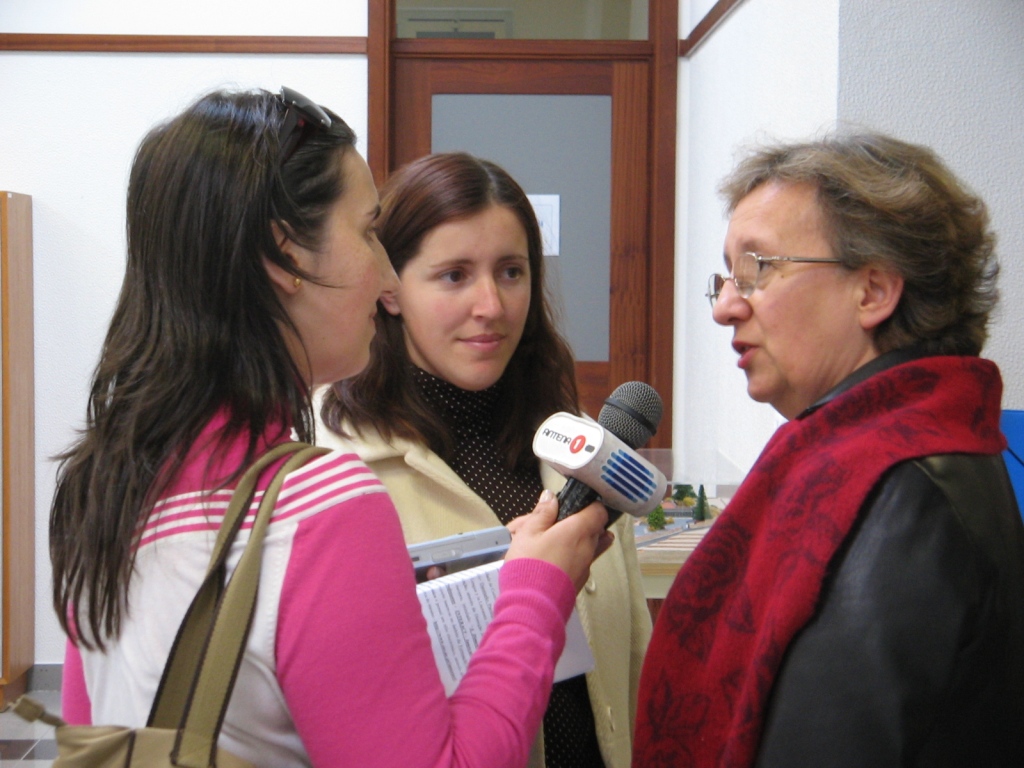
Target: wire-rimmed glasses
(747, 269)
(303, 114)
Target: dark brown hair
(196, 331)
(896, 206)
(540, 377)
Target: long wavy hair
(540, 377)
(197, 331)
(895, 205)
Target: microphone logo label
(558, 437)
(565, 440)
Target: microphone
(598, 457)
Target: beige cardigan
(433, 501)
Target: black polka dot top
(470, 418)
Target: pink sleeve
(355, 663)
(76, 708)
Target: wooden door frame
(661, 52)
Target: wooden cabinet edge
(18, 431)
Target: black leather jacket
(915, 655)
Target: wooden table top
(665, 556)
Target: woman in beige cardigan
(465, 366)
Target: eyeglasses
(747, 269)
(303, 115)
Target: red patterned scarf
(753, 582)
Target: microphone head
(632, 413)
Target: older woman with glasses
(861, 600)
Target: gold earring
(297, 282)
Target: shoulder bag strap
(201, 669)
(180, 670)
(197, 737)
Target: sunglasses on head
(303, 116)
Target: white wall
(68, 130)
(768, 71)
(950, 75)
(185, 17)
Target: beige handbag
(200, 672)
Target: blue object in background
(1012, 425)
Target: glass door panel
(523, 19)
(557, 145)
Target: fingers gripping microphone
(598, 457)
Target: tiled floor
(28, 745)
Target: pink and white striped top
(338, 669)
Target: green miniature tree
(680, 491)
(700, 509)
(656, 519)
